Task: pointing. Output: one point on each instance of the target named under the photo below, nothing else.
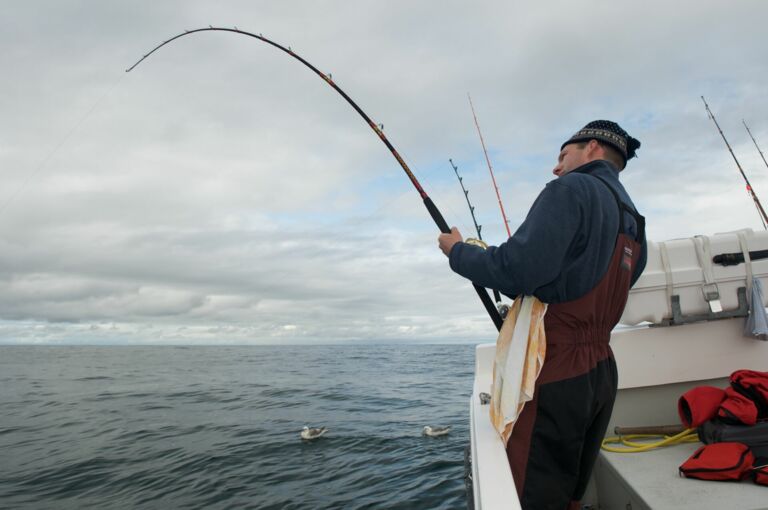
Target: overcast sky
(223, 193)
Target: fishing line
(63, 141)
(464, 227)
(437, 217)
(390, 203)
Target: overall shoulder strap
(640, 220)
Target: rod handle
(661, 430)
(493, 313)
(436, 216)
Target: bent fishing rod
(437, 217)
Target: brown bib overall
(556, 440)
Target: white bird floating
(435, 431)
(312, 433)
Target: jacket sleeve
(535, 254)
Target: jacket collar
(600, 167)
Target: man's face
(570, 158)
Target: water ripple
(128, 427)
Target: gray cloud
(222, 193)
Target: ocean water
(218, 427)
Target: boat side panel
(693, 352)
(653, 405)
(492, 480)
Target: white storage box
(686, 275)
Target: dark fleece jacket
(564, 246)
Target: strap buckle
(712, 296)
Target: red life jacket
(719, 461)
(753, 385)
(736, 408)
(699, 405)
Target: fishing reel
(502, 308)
(476, 242)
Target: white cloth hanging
(520, 352)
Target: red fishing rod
(490, 168)
(431, 207)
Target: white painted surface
(705, 350)
(494, 487)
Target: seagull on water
(435, 431)
(313, 433)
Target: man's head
(600, 139)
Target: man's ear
(594, 150)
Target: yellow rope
(686, 436)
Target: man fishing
(580, 249)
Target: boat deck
(650, 479)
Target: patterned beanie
(607, 132)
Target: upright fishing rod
(490, 168)
(758, 205)
(502, 308)
(478, 228)
(431, 207)
(755, 142)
